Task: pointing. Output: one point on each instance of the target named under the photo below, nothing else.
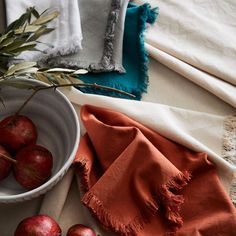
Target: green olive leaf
(19, 22)
(28, 29)
(45, 19)
(65, 70)
(20, 66)
(25, 47)
(27, 71)
(41, 31)
(12, 46)
(80, 71)
(7, 41)
(41, 77)
(35, 13)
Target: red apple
(39, 225)
(17, 131)
(5, 165)
(80, 230)
(33, 166)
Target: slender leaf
(28, 29)
(7, 41)
(14, 45)
(44, 11)
(19, 22)
(7, 54)
(35, 13)
(45, 19)
(60, 70)
(80, 71)
(41, 31)
(74, 80)
(52, 79)
(25, 48)
(20, 66)
(5, 36)
(62, 79)
(41, 77)
(43, 69)
(27, 71)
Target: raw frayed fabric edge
(172, 202)
(229, 149)
(106, 63)
(82, 170)
(169, 201)
(64, 49)
(147, 15)
(52, 53)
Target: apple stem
(37, 89)
(7, 158)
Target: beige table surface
(166, 87)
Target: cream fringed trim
(232, 193)
(229, 149)
(229, 140)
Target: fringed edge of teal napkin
(147, 15)
(229, 150)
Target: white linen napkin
(67, 36)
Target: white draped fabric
(197, 39)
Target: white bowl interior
(57, 126)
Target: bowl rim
(49, 183)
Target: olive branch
(22, 35)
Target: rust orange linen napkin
(137, 182)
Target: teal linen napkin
(135, 58)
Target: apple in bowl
(58, 131)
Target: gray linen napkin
(103, 28)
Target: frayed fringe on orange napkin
(137, 182)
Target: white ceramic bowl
(58, 131)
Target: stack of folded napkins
(104, 37)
